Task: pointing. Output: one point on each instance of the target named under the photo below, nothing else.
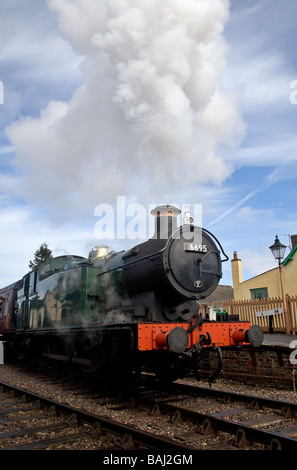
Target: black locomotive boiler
(114, 313)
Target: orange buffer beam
(164, 336)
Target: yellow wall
(269, 279)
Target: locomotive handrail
(160, 251)
(227, 257)
(135, 260)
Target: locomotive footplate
(177, 338)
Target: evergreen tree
(40, 256)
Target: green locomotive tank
(63, 291)
(67, 312)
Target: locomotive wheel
(111, 366)
(109, 375)
(168, 370)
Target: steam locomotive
(114, 313)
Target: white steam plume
(151, 116)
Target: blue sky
(185, 103)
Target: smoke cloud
(151, 116)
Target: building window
(260, 293)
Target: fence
(270, 321)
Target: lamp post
(278, 251)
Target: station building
(268, 283)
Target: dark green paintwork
(67, 292)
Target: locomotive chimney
(165, 221)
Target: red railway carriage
(8, 307)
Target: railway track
(245, 421)
(193, 417)
(23, 413)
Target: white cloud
(22, 233)
(150, 116)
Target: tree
(40, 256)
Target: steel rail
(246, 434)
(139, 438)
(238, 397)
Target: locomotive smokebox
(177, 264)
(165, 221)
